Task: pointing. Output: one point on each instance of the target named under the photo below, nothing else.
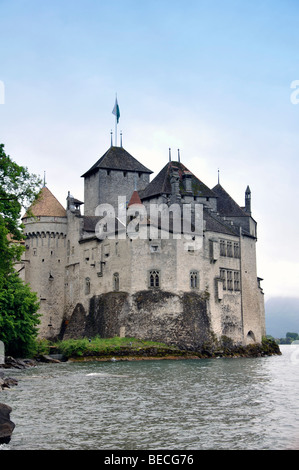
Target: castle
(168, 260)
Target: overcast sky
(212, 78)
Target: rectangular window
(229, 249)
(236, 250)
(223, 277)
(229, 280)
(222, 248)
(236, 280)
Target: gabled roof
(161, 183)
(117, 158)
(46, 205)
(226, 206)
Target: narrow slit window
(229, 280)
(223, 277)
(222, 248)
(116, 282)
(87, 286)
(236, 280)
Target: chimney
(187, 181)
(175, 184)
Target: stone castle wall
(100, 187)
(150, 315)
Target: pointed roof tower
(117, 158)
(135, 199)
(46, 205)
(161, 184)
(226, 206)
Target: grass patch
(112, 346)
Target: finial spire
(121, 138)
(44, 178)
(179, 157)
(170, 154)
(248, 200)
(111, 137)
(218, 177)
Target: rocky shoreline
(6, 425)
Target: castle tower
(45, 230)
(113, 175)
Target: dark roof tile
(161, 183)
(226, 206)
(117, 158)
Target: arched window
(87, 285)
(194, 279)
(154, 278)
(116, 282)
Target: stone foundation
(151, 315)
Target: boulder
(12, 363)
(49, 358)
(6, 425)
(6, 382)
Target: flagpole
(115, 131)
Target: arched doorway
(250, 338)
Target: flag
(115, 110)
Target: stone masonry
(129, 266)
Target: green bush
(18, 317)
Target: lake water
(237, 404)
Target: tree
(18, 189)
(18, 305)
(18, 316)
(292, 336)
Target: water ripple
(147, 405)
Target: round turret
(45, 227)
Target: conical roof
(46, 205)
(117, 158)
(135, 199)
